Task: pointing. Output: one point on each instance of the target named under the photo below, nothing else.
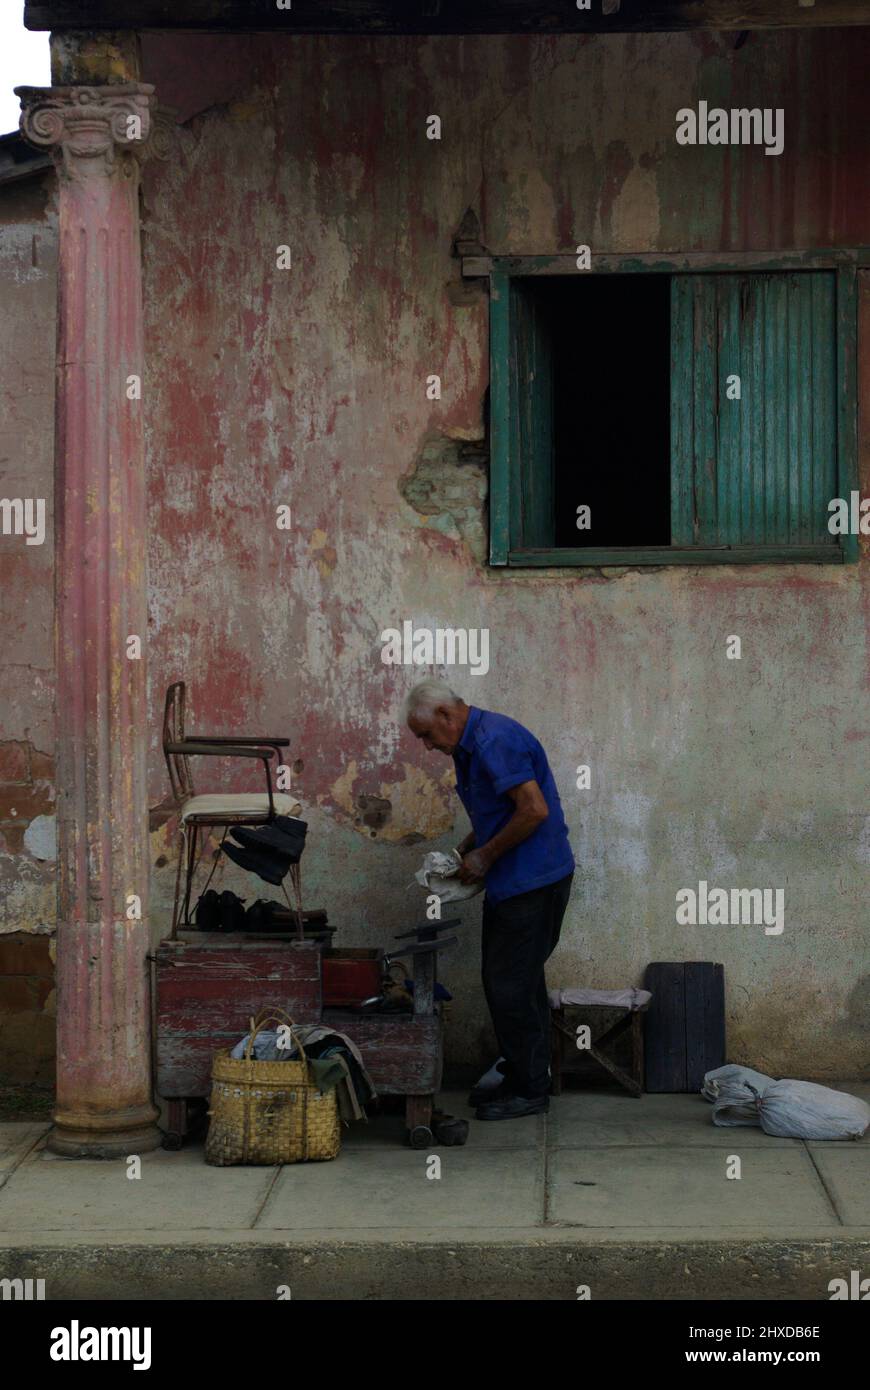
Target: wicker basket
(269, 1112)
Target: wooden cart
(208, 985)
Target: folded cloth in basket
(335, 1061)
(321, 1041)
(337, 1070)
(613, 998)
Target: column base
(77, 1135)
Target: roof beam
(374, 17)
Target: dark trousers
(519, 935)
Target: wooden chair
(218, 809)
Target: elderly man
(519, 847)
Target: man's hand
(531, 810)
(474, 866)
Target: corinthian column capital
(92, 131)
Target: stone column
(104, 1102)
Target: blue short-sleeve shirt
(494, 754)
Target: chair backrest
(180, 776)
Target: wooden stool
(561, 1034)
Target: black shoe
(449, 1131)
(232, 910)
(267, 864)
(285, 834)
(207, 913)
(513, 1108)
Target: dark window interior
(611, 378)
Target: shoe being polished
(513, 1107)
(493, 1085)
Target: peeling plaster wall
(28, 247)
(307, 387)
(28, 267)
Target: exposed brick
(44, 1033)
(26, 802)
(13, 762)
(17, 995)
(41, 766)
(22, 953)
(12, 838)
(27, 1048)
(41, 990)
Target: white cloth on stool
(612, 998)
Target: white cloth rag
(438, 873)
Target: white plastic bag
(803, 1110)
(438, 875)
(734, 1092)
(788, 1109)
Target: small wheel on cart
(420, 1137)
(173, 1141)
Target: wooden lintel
(670, 262)
(473, 267)
(382, 17)
(628, 557)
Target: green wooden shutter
(760, 470)
(531, 390)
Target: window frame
(504, 474)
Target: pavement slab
(603, 1121)
(17, 1139)
(49, 1193)
(680, 1187)
(494, 1189)
(845, 1171)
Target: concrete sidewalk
(627, 1196)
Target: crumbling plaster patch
(417, 805)
(447, 487)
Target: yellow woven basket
(269, 1112)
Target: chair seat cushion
(238, 804)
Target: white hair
(428, 695)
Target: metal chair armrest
(227, 750)
(222, 750)
(239, 741)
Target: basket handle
(275, 1015)
(269, 1013)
